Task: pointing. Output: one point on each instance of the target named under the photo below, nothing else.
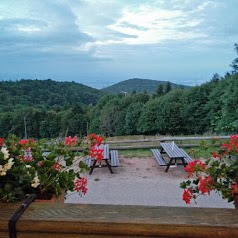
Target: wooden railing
(85, 220)
(191, 141)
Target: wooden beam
(84, 220)
(133, 147)
(168, 138)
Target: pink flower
(80, 185)
(28, 155)
(69, 141)
(39, 164)
(56, 166)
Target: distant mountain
(138, 85)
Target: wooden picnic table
(105, 160)
(174, 153)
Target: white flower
(1, 170)
(5, 152)
(9, 164)
(28, 166)
(2, 173)
(36, 182)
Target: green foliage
(195, 109)
(168, 87)
(50, 108)
(148, 117)
(160, 90)
(211, 107)
(24, 169)
(47, 94)
(170, 119)
(234, 64)
(132, 117)
(214, 174)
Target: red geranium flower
(205, 185)
(194, 166)
(1, 141)
(187, 195)
(80, 185)
(69, 141)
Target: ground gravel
(141, 181)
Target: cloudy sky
(101, 42)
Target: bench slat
(114, 158)
(88, 161)
(159, 158)
(187, 158)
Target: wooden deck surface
(82, 220)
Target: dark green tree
(148, 117)
(168, 87)
(170, 119)
(234, 64)
(133, 113)
(160, 90)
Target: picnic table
(174, 153)
(105, 161)
(110, 159)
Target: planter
(235, 198)
(54, 198)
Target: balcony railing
(88, 220)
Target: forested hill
(139, 85)
(208, 108)
(45, 94)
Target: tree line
(45, 108)
(211, 107)
(208, 108)
(29, 109)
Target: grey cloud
(140, 28)
(120, 35)
(65, 36)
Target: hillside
(138, 85)
(46, 94)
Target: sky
(102, 42)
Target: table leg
(109, 166)
(93, 166)
(167, 168)
(183, 161)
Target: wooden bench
(45, 153)
(159, 158)
(114, 158)
(88, 161)
(187, 158)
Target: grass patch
(203, 150)
(197, 153)
(138, 153)
(194, 152)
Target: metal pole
(25, 127)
